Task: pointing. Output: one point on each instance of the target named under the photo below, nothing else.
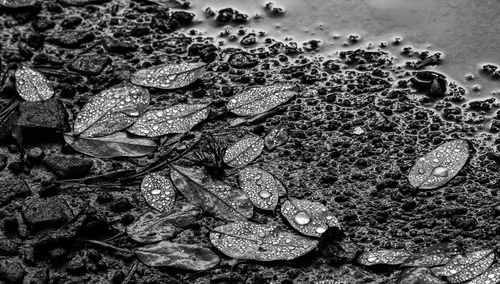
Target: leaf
(111, 110)
(276, 137)
(243, 152)
(168, 76)
(213, 197)
(257, 100)
(465, 267)
(180, 256)
(32, 85)
(153, 227)
(435, 255)
(309, 218)
(246, 240)
(158, 191)
(118, 144)
(439, 166)
(419, 275)
(386, 257)
(175, 119)
(261, 187)
(490, 276)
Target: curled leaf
(419, 275)
(32, 85)
(111, 110)
(244, 151)
(309, 218)
(175, 119)
(276, 137)
(246, 240)
(465, 267)
(168, 76)
(118, 144)
(440, 165)
(490, 276)
(180, 256)
(386, 257)
(257, 100)
(158, 192)
(261, 187)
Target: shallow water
(465, 31)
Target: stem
(105, 245)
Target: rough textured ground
(355, 130)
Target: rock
(225, 15)
(16, 167)
(338, 247)
(76, 266)
(8, 248)
(58, 254)
(10, 225)
(35, 40)
(12, 187)
(120, 205)
(139, 31)
(118, 277)
(3, 162)
(40, 277)
(72, 39)
(90, 64)
(19, 5)
(66, 167)
(41, 24)
(249, 39)
(184, 18)
(81, 3)
(71, 22)
(11, 272)
(41, 213)
(40, 120)
(242, 60)
(35, 154)
(115, 46)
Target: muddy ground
(355, 131)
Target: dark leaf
(276, 137)
(439, 166)
(465, 267)
(158, 192)
(419, 275)
(244, 151)
(246, 240)
(386, 257)
(111, 111)
(435, 255)
(118, 144)
(490, 276)
(176, 119)
(309, 218)
(213, 197)
(32, 85)
(168, 76)
(180, 256)
(261, 187)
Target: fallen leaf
(213, 197)
(246, 240)
(467, 266)
(15, 4)
(261, 187)
(386, 257)
(307, 217)
(244, 151)
(179, 256)
(276, 137)
(490, 276)
(435, 255)
(169, 76)
(440, 165)
(118, 144)
(111, 110)
(32, 86)
(257, 100)
(175, 119)
(419, 275)
(158, 191)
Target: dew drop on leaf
(490, 276)
(276, 137)
(419, 275)
(260, 186)
(168, 76)
(386, 257)
(243, 151)
(302, 218)
(31, 85)
(158, 192)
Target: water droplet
(171, 77)
(372, 259)
(261, 234)
(440, 172)
(264, 194)
(155, 191)
(421, 171)
(302, 218)
(329, 217)
(320, 230)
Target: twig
(130, 273)
(105, 245)
(115, 237)
(77, 215)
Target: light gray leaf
(257, 100)
(261, 187)
(386, 257)
(440, 165)
(244, 151)
(158, 191)
(175, 119)
(246, 240)
(309, 218)
(419, 275)
(169, 76)
(111, 110)
(213, 197)
(490, 276)
(435, 255)
(467, 266)
(118, 144)
(180, 256)
(32, 85)
(276, 137)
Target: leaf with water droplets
(246, 240)
(153, 227)
(276, 137)
(490, 276)
(257, 100)
(179, 256)
(175, 119)
(309, 218)
(118, 144)
(111, 110)
(439, 166)
(467, 266)
(435, 255)
(168, 76)
(261, 187)
(386, 257)
(158, 192)
(32, 86)
(244, 151)
(419, 275)
(213, 197)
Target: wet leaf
(32, 85)
(465, 267)
(153, 227)
(276, 137)
(257, 100)
(261, 187)
(490, 276)
(386, 257)
(419, 275)
(111, 110)
(158, 191)
(435, 255)
(309, 218)
(243, 152)
(169, 76)
(439, 166)
(15, 4)
(213, 197)
(246, 240)
(176, 119)
(118, 144)
(180, 256)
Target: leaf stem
(105, 245)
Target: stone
(41, 213)
(12, 187)
(120, 205)
(66, 167)
(76, 266)
(35, 154)
(90, 64)
(81, 3)
(3, 162)
(40, 120)
(7, 247)
(71, 22)
(11, 272)
(72, 39)
(242, 60)
(115, 46)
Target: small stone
(242, 60)
(3, 162)
(115, 46)
(40, 120)
(12, 187)
(76, 266)
(121, 205)
(66, 167)
(12, 272)
(35, 154)
(71, 22)
(90, 64)
(42, 213)
(71, 39)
